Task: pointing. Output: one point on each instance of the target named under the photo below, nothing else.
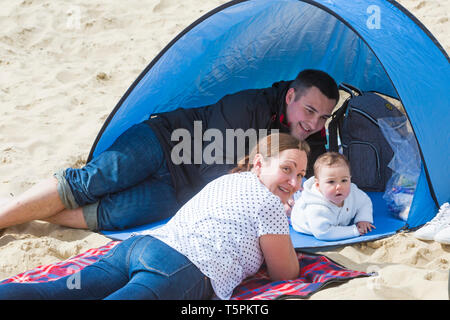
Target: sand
(65, 64)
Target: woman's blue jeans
(141, 267)
(126, 185)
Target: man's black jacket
(254, 108)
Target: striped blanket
(316, 271)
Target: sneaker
(438, 223)
(443, 236)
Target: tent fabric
(420, 72)
(375, 45)
(251, 44)
(248, 44)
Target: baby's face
(334, 183)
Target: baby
(330, 202)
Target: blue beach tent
(375, 45)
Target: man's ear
(290, 96)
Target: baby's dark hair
(329, 159)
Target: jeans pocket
(111, 251)
(200, 290)
(158, 257)
(124, 246)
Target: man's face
(309, 113)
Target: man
(136, 181)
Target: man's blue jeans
(126, 185)
(141, 267)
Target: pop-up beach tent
(375, 45)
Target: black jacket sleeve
(236, 116)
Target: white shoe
(439, 222)
(443, 236)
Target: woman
(216, 240)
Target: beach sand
(64, 65)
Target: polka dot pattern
(219, 229)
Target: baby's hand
(364, 227)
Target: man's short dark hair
(315, 78)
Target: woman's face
(282, 174)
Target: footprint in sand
(164, 4)
(25, 107)
(420, 5)
(67, 76)
(4, 240)
(101, 76)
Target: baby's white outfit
(315, 215)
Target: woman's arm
(280, 256)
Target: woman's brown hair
(271, 146)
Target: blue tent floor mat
(386, 224)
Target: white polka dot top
(219, 229)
